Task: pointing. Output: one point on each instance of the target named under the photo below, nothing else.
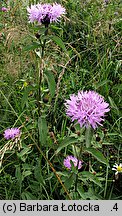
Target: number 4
(115, 206)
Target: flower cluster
(11, 133)
(75, 161)
(117, 168)
(88, 108)
(45, 13)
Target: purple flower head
(69, 158)
(11, 133)
(45, 13)
(4, 9)
(87, 107)
(56, 12)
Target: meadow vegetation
(82, 52)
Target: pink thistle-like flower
(45, 13)
(87, 107)
(56, 12)
(4, 9)
(68, 164)
(11, 133)
(33, 13)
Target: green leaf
(100, 84)
(24, 99)
(118, 66)
(28, 196)
(97, 154)
(42, 126)
(67, 141)
(32, 46)
(91, 194)
(113, 105)
(51, 82)
(69, 181)
(18, 174)
(59, 42)
(81, 192)
(38, 173)
(38, 29)
(23, 152)
(91, 177)
(26, 173)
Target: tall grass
(89, 57)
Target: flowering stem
(88, 136)
(39, 87)
(76, 181)
(106, 180)
(41, 77)
(41, 73)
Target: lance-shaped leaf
(91, 177)
(42, 126)
(65, 142)
(59, 42)
(32, 46)
(51, 82)
(69, 181)
(97, 154)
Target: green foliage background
(83, 52)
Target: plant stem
(76, 181)
(41, 73)
(106, 181)
(39, 87)
(40, 78)
(88, 136)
